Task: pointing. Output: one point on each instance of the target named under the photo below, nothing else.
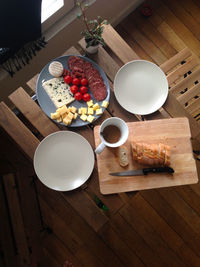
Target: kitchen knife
(144, 171)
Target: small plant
(94, 28)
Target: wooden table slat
(175, 109)
(186, 82)
(175, 60)
(116, 43)
(181, 70)
(18, 131)
(32, 83)
(33, 112)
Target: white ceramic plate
(64, 160)
(140, 87)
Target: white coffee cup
(123, 129)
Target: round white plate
(64, 160)
(140, 87)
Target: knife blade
(144, 171)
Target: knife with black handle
(144, 171)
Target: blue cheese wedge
(58, 91)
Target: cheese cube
(90, 118)
(72, 109)
(90, 103)
(70, 115)
(64, 115)
(99, 111)
(105, 104)
(83, 111)
(83, 117)
(96, 106)
(80, 111)
(67, 121)
(63, 110)
(55, 116)
(59, 119)
(90, 111)
(75, 116)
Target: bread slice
(123, 156)
(151, 154)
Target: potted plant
(94, 30)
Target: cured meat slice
(100, 94)
(81, 68)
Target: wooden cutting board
(174, 132)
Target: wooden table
(87, 200)
(116, 222)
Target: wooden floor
(40, 227)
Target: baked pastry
(151, 154)
(123, 156)
(56, 69)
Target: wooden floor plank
(7, 241)
(17, 220)
(135, 242)
(30, 211)
(174, 241)
(150, 236)
(144, 42)
(153, 34)
(174, 220)
(133, 44)
(77, 225)
(58, 250)
(181, 13)
(111, 238)
(182, 208)
(179, 28)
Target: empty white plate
(140, 87)
(64, 160)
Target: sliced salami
(81, 68)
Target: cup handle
(100, 148)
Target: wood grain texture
(33, 112)
(18, 131)
(17, 220)
(172, 132)
(118, 45)
(158, 227)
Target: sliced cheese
(90, 118)
(90, 103)
(99, 111)
(105, 104)
(58, 91)
(83, 117)
(96, 106)
(55, 115)
(90, 111)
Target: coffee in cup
(113, 133)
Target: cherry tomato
(84, 81)
(68, 79)
(78, 96)
(76, 81)
(74, 89)
(86, 97)
(83, 89)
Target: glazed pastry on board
(151, 154)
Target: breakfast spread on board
(80, 83)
